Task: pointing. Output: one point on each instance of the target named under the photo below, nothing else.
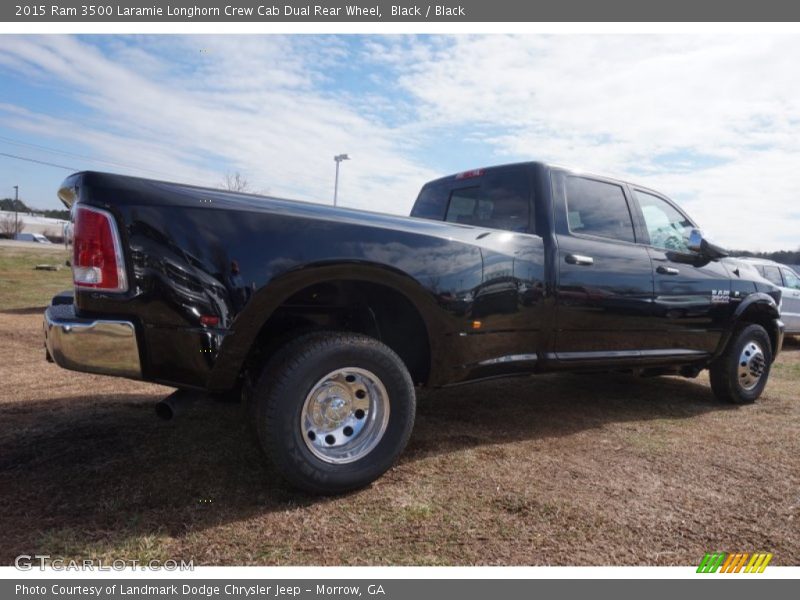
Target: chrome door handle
(579, 259)
(667, 270)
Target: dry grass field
(558, 469)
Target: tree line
(11, 205)
(786, 257)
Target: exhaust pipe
(175, 404)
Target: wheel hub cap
(345, 415)
(752, 364)
(329, 406)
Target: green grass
(21, 286)
(417, 512)
(787, 370)
(73, 544)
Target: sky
(711, 121)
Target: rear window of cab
(495, 199)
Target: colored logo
(734, 563)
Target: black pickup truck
(324, 320)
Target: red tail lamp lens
(97, 254)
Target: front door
(693, 296)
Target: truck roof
(489, 168)
(539, 163)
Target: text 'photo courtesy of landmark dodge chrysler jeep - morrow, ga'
(324, 320)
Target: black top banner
(400, 11)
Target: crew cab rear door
(604, 282)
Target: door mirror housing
(700, 244)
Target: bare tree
(10, 225)
(236, 182)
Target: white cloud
(713, 121)
(615, 104)
(248, 102)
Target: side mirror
(698, 243)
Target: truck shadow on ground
(32, 310)
(105, 463)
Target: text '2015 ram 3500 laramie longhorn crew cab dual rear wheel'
(326, 318)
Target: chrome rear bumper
(107, 347)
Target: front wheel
(334, 411)
(740, 374)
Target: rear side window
(773, 274)
(598, 208)
(497, 200)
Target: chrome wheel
(345, 415)
(751, 366)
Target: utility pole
(338, 158)
(16, 201)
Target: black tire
(726, 377)
(288, 379)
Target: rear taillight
(97, 261)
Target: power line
(9, 140)
(41, 162)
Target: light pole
(16, 201)
(338, 158)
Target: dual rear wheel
(334, 410)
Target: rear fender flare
(247, 325)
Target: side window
(792, 280)
(498, 200)
(431, 202)
(598, 208)
(773, 275)
(667, 227)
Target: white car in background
(32, 237)
(789, 282)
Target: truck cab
(631, 282)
